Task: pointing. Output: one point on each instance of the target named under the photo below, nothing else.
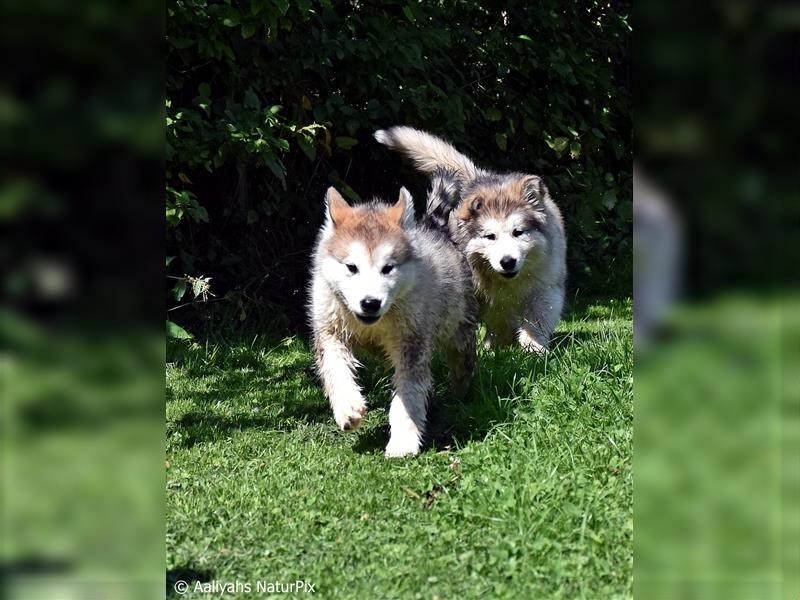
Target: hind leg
(461, 358)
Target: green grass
(525, 491)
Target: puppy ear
(336, 208)
(533, 189)
(476, 205)
(402, 212)
(470, 208)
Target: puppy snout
(370, 306)
(508, 263)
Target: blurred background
(81, 301)
(717, 400)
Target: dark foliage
(270, 102)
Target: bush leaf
(493, 114)
(345, 143)
(177, 332)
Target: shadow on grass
(264, 387)
(197, 427)
(372, 441)
(457, 421)
(182, 579)
(242, 392)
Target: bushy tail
(444, 195)
(428, 151)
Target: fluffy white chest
(329, 313)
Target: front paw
(406, 444)
(349, 413)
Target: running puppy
(511, 232)
(381, 281)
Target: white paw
(349, 414)
(535, 348)
(402, 445)
(530, 344)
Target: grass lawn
(524, 492)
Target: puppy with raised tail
(383, 282)
(511, 232)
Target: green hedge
(269, 102)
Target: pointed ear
(470, 208)
(402, 212)
(476, 205)
(533, 189)
(336, 207)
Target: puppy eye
(352, 268)
(490, 236)
(387, 269)
(517, 232)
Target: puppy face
(368, 256)
(501, 224)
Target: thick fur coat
(381, 281)
(512, 234)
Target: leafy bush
(270, 102)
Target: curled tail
(428, 151)
(444, 195)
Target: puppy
(381, 281)
(512, 234)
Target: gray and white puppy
(381, 281)
(511, 232)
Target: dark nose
(370, 305)
(508, 263)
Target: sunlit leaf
(180, 289)
(175, 331)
